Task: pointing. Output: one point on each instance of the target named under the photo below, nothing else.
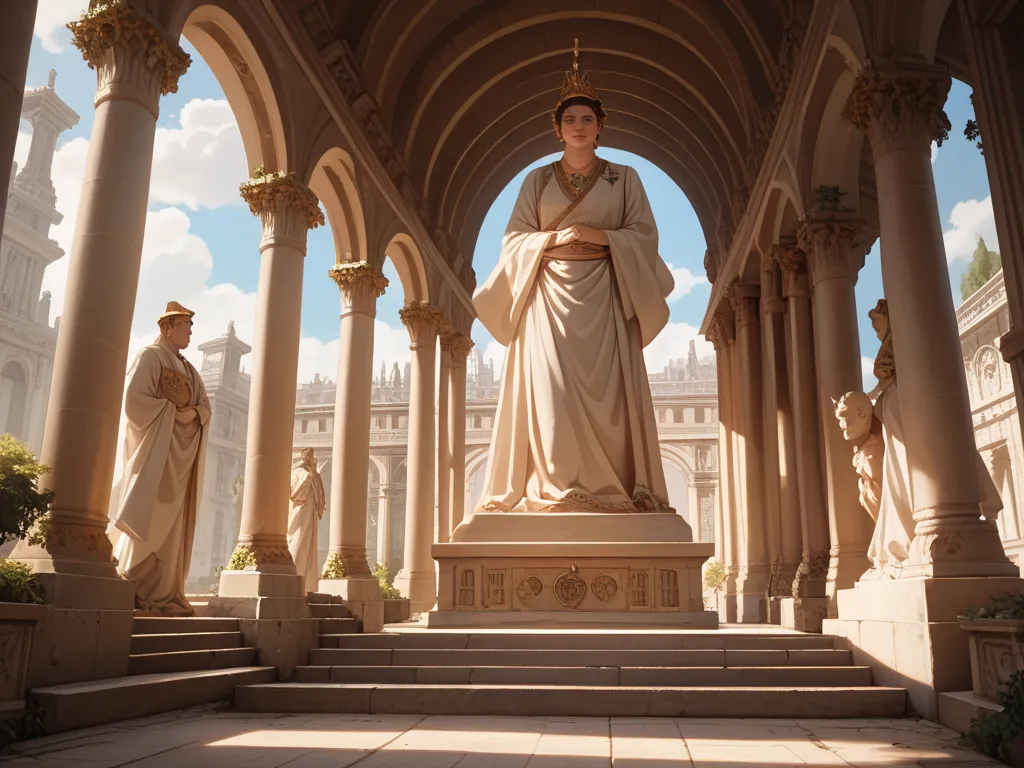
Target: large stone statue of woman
(308, 502)
(578, 291)
(154, 505)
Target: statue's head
(855, 412)
(308, 457)
(578, 117)
(880, 319)
(176, 325)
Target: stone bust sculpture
(862, 429)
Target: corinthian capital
(457, 346)
(834, 244)
(286, 207)
(722, 330)
(899, 106)
(423, 322)
(793, 263)
(361, 285)
(133, 58)
(744, 297)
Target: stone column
(834, 244)
(458, 347)
(384, 526)
(15, 43)
(416, 579)
(444, 455)
(899, 106)
(89, 626)
(346, 571)
(993, 52)
(753, 578)
(721, 334)
(287, 210)
(810, 576)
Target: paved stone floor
(204, 737)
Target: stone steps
(181, 661)
(339, 626)
(161, 625)
(749, 677)
(584, 641)
(563, 657)
(185, 641)
(80, 705)
(574, 701)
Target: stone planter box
(17, 625)
(396, 610)
(997, 651)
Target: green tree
(984, 264)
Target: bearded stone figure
(578, 292)
(154, 505)
(308, 502)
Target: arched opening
(13, 399)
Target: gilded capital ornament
(457, 346)
(899, 106)
(127, 50)
(287, 208)
(423, 321)
(361, 285)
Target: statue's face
(579, 126)
(180, 332)
(855, 422)
(881, 325)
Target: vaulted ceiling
(460, 92)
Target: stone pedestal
(362, 596)
(804, 614)
(907, 632)
(571, 569)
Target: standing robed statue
(307, 509)
(154, 504)
(578, 292)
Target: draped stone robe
(308, 502)
(154, 506)
(575, 429)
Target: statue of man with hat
(154, 506)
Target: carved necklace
(576, 178)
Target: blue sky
(202, 242)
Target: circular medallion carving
(570, 588)
(528, 588)
(604, 588)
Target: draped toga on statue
(575, 429)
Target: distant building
(27, 340)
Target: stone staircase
(186, 644)
(579, 673)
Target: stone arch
(475, 459)
(240, 71)
(334, 182)
(677, 457)
(14, 381)
(380, 464)
(408, 261)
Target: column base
(803, 614)
(362, 596)
(907, 632)
(751, 594)
(847, 563)
(420, 587)
(87, 632)
(965, 550)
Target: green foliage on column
(984, 264)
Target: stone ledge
(471, 618)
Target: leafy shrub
(18, 584)
(997, 733)
(334, 567)
(714, 575)
(384, 578)
(1001, 606)
(22, 504)
(243, 557)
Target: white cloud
(51, 18)
(935, 152)
(867, 372)
(673, 343)
(971, 219)
(686, 281)
(201, 163)
(21, 148)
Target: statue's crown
(575, 83)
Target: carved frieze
(529, 588)
(570, 588)
(604, 587)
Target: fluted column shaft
(416, 580)
(721, 334)
(834, 246)
(361, 285)
(738, 547)
(753, 577)
(457, 347)
(444, 448)
(813, 568)
(287, 210)
(135, 63)
(15, 43)
(899, 106)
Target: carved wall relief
(495, 595)
(638, 589)
(529, 588)
(604, 588)
(669, 589)
(467, 589)
(570, 588)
